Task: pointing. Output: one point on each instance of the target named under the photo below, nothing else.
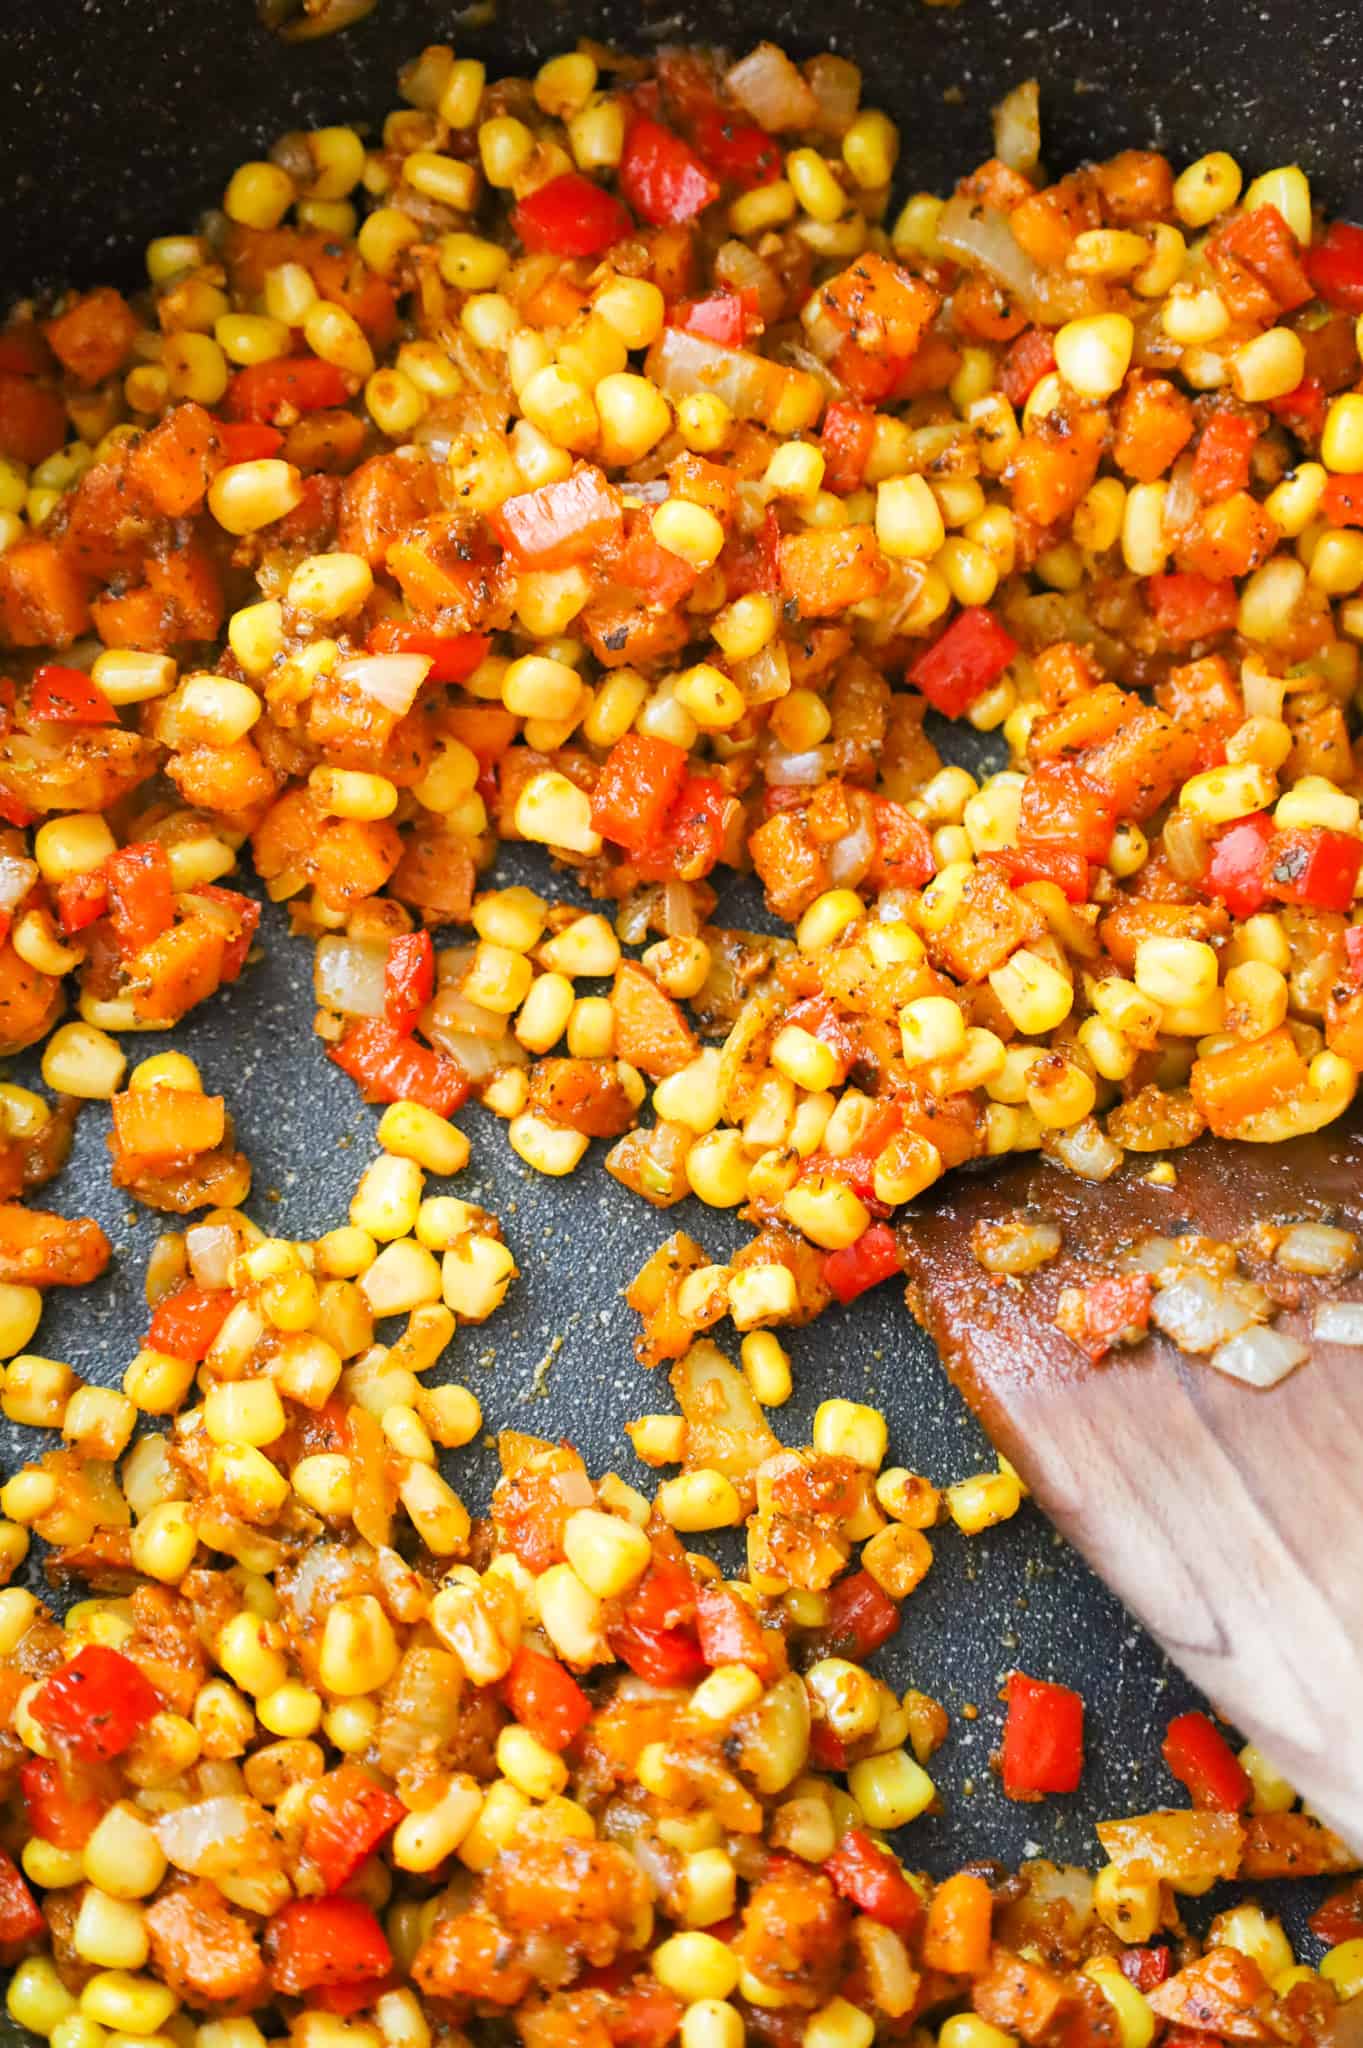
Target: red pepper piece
(408, 979)
(1146, 1968)
(1030, 358)
(97, 1703)
(1043, 1738)
(1200, 1757)
(81, 899)
(903, 857)
(873, 1881)
(12, 812)
(1237, 870)
(1353, 949)
(1108, 1307)
(345, 1999)
(68, 697)
(1303, 410)
(858, 1166)
(827, 1751)
(1068, 869)
(1060, 804)
(247, 912)
(729, 1631)
(1221, 464)
(863, 1265)
(1189, 607)
(861, 1616)
(1342, 504)
(20, 1920)
(1315, 866)
(453, 656)
(692, 839)
(257, 392)
(316, 1943)
(640, 781)
(1262, 243)
(186, 1322)
(52, 1811)
(846, 438)
(248, 441)
(141, 898)
(392, 1068)
(1335, 266)
(736, 150)
(644, 2013)
(348, 1816)
(724, 317)
(971, 655)
(545, 1698)
(662, 177)
(1340, 1917)
(571, 216)
(656, 1636)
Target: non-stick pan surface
(118, 123)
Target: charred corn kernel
(80, 1059)
(244, 1411)
(359, 1652)
(891, 1790)
(1342, 1967)
(1128, 1907)
(395, 403)
(898, 1559)
(717, 1169)
(608, 1554)
(562, 407)
(1207, 188)
(698, 1501)
(476, 1272)
(1269, 366)
(1272, 1793)
(1341, 441)
(1036, 996)
(1145, 547)
(1093, 353)
(126, 2003)
(826, 1210)
(712, 2023)
(554, 812)
(978, 1503)
(1220, 795)
(1175, 971)
(411, 1131)
(909, 524)
(387, 1199)
(689, 531)
(931, 1028)
(850, 1429)
(249, 495)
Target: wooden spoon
(1229, 1519)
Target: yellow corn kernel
(35, 1997)
(704, 421)
(1249, 1929)
(1135, 2020)
(1145, 547)
(766, 206)
(1288, 189)
(1175, 971)
(826, 1210)
(909, 524)
(891, 1790)
(1207, 188)
(1036, 996)
(980, 1502)
(1093, 353)
(1272, 1793)
(387, 1199)
(689, 531)
(404, 1276)
(1269, 366)
(634, 417)
(359, 1652)
(512, 917)
(1220, 795)
(850, 1429)
(244, 1411)
(712, 2023)
(249, 495)
(127, 2004)
(80, 1059)
(1341, 441)
(931, 1028)
(695, 1965)
(717, 1170)
(554, 812)
(706, 694)
(698, 1501)
(1342, 1967)
(476, 1272)
(1128, 1907)
(549, 1148)
(608, 1554)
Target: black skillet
(120, 122)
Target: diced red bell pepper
(560, 523)
(306, 382)
(827, 1751)
(970, 656)
(725, 317)
(1106, 1308)
(1314, 865)
(12, 812)
(1043, 1738)
(247, 913)
(408, 979)
(20, 1920)
(312, 1943)
(903, 856)
(1061, 805)
(453, 656)
(861, 1616)
(545, 1698)
(1339, 1918)
(1222, 462)
(571, 216)
(1068, 869)
(661, 176)
(51, 1811)
(345, 1999)
(729, 1631)
(1200, 1757)
(1261, 242)
(1334, 265)
(847, 436)
(348, 1816)
(1342, 504)
(1237, 870)
(68, 697)
(874, 1883)
(141, 896)
(1146, 1968)
(857, 1167)
(97, 1703)
(1188, 607)
(643, 2013)
(81, 899)
(858, 1267)
(656, 1636)
(640, 781)
(1303, 410)
(869, 377)
(248, 441)
(753, 561)
(736, 150)
(390, 1067)
(692, 838)
(1030, 358)
(24, 353)
(186, 1322)
(1353, 952)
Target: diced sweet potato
(650, 1030)
(585, 1094)
(94, 335)
(153, 1125)
(38, 1249)
(32, 418)
(823, 573)
(209, 1955)
(789, 862)
(43, 597)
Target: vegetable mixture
(593, 460)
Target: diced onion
(1260, 1356)
(726, 1429)
(479, 1057)
(794, 771)
(836, 85)
(850, 857)
(1019, 1247)
(764, 676)
(389, 679)
(680, 920)
(211, 1249)
(1017, 127)
(1181, 502)
(985, 241)
(743, 270)
(681, 363)
(1087, 1150)
(1152, 1255)
(1317, 1248)
(1339, 1322)
(206, 1837)
(767, 85)
(453, 1013)
(348, 976)
(1200, 1314)
(17, 877)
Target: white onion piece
(767, 85)
(836, 84)
(634, 914)
(1019, 1247)
(764, 676)
(1017, 127)
(1086, 1150)
(1260, 1357)
(1181, 502)
(682, 363)
(794, 771)
(211, 1249)
(1339, 1322)
(452, 963)
(452, 1012)
(985, 241)
(390, 679)
(1317, 1248)
(348, 975)
(1198, 1313)
(17, 877)
(850, 857)
(679, 911)
(480, 1058)
(209, 1835)
(1153, 1255)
